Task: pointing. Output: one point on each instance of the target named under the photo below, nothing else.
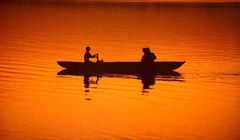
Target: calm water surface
(201, 103)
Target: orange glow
(36, 103)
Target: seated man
(148, 57)
(87, 56)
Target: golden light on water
(36, 103)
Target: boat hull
(120, 67)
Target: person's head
(148, 50)
(87, 48)
(144, 50)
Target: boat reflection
(147, 79)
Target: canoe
(121, 67)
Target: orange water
(36, 103)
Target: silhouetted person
(148, 57)
(87, 56)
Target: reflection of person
(87, 56)
(87, 81)
(148, 80)
(148, 57)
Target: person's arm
(154, 56)
(92, 56)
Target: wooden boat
(121, 67)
